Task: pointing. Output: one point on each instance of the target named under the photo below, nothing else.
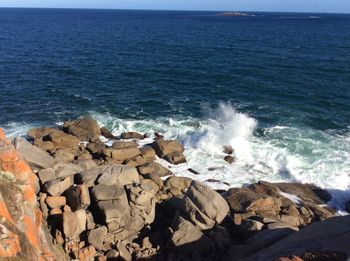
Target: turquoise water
(275, 86)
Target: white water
(281, 154)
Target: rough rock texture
(85, 129)
(21, 220)
(204, 206)
(330, 235)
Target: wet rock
(55, 202)
(74, 223)
(96, 237)
(229, 159)
(170, 150)
(204, 206)
(228, 149)
(34, 156)
(106, 133)
(85, 129)
(175, 158)
(78, 197)
(58, 186)
(132, 135)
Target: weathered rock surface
(36, 157)
(170, 150)
(74, 223)
(204, 206)
(85, 129)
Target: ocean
(274, 86)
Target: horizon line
(166, 10)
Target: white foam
(283, 153)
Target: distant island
(233, 14)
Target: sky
(329, 6)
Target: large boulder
(74, 223)
(62, 140)
(330, 235)
(85, 129)
(23, 234)
(204, 206)
(170, 150)
(36, 157)
(189, 243)
(109, 175)
(154, 168)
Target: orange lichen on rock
(30, 221)
(9, 243)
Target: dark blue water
(289, 74)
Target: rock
(85, 129)
(229, 159)
(58, 186)
(175, 158)
(85, 164)
(36, 157)
(124, 144)
(323, 255)
(62, 140)
(120, 175)
(115, 210)
(166, 147)
(55, 202)
(122, 154)
(112, 254)
(96, 237)
(249, 227)
(330, 235)
(107, 192)
(245, 200)
(85, 155)
(96, 148)
(178, 183)
(74, 223)
(281, 224)
(307, 192)
(106, 133)
(55, 211)
(86, 253)
(47, 146)
(109, 175)
(156, 179)
(90, 222)
(132, 135)
(67, 170)
(47, 175)
(38, 133)
(22, 232)
(123, 252)
(78, 197)
(189, 243)
(228, 149)
(204, 206)
(154, 168)
(148, 154)
(43, 206)
(64, 155)
(135, 162)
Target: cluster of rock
(117, 203)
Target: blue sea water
(275, 86)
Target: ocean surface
(275, 86)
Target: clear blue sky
(337, 6)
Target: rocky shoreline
(116, 202)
